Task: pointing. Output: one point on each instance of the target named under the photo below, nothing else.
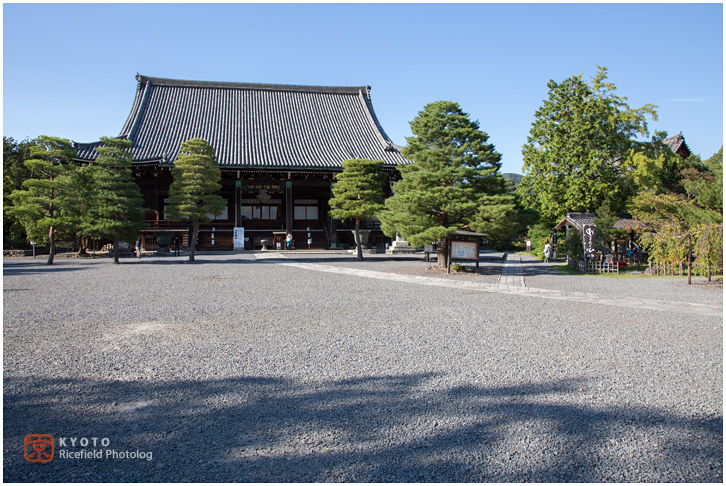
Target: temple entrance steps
(318, 237)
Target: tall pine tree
(39, 206)
(453, 182)
(358, 193)
(193, 193)
(116, 211)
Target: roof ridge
(253, 86)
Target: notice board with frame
(463, 250)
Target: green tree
(708, 251)
(454, 181)
(575, 148)
(358, 193)
(193, 193)
(39, 206)
(704, 184)
(15, 172)
(116, 212)
(605, 233)
(676, 225)
(78, 206)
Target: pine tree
(454, 181)
(193, 193)
(358, 193)
(14, 173)
(116, 211)
(78, 206)
(39, 206)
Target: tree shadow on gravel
(13, 269)
(397, 428)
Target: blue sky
(68, 69)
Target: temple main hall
(278, 147)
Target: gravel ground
(234, 369)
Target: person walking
(288, 240)
(547, 252)
(138, 247)
(176, 246)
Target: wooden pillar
(288, 206)
(237, 199)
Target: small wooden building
(583, 220)
(278, 147)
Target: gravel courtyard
(248, 369)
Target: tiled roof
(255, 125)
(677, 144)
(578, 220)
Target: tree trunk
(51, 246)
(82, 247)
(357, 239)
(193, 242)
(690, 254)
(115, 249)
(442, 253)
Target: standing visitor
(138, 247)
(288, 240)
(176, 246)
(547, 252)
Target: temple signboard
(257, 187)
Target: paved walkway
(511, 281)
(512, 276)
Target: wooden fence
(594, 266)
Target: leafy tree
(15, 172)
(704, 184)
(39, 206)
(192, 195)
(575, 148)
(454, 182)
(708, 250)
(116, 212)
(604, 231)
(676, 226)
(358, 193)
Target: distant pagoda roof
(677, 144)
(257, 126)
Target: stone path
(512, 282)
(512, 276)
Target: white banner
(239, 238)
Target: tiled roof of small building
(579, 220)
(255, 125)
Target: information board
(465, 250)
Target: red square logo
(39, 447)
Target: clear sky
(68, 69)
